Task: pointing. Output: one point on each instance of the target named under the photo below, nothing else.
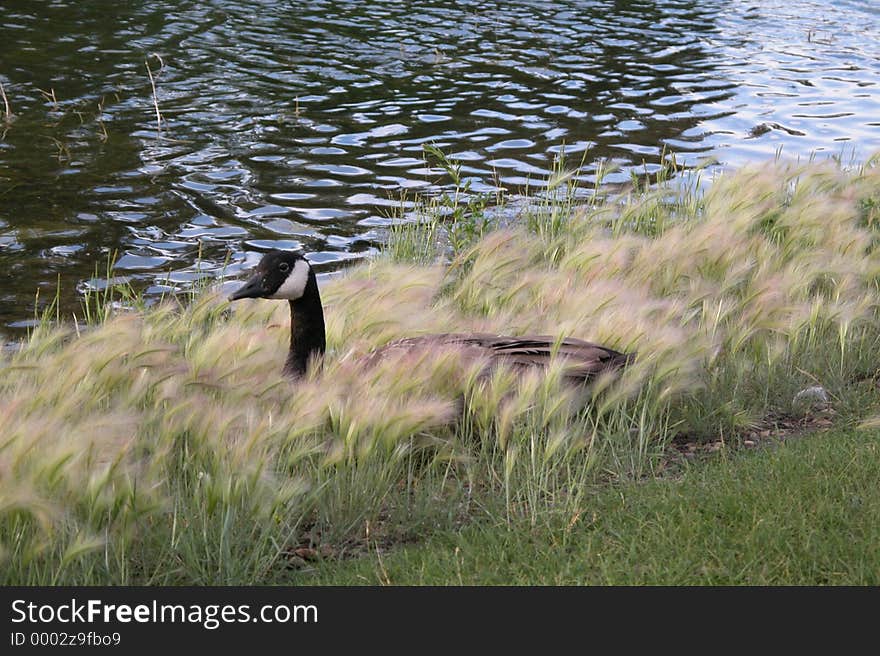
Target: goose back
(581, 360)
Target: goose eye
(284, 266)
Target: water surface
(301, 125)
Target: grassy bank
(805, 513)
(163, 446)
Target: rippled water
(294, 125)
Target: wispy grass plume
(162, 445)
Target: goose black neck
(307, 338)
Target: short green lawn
(803, 513)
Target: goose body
(289, 276)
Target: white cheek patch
(295, 284)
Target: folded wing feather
(582, 360)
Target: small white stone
(811, 396)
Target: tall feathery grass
(163, 446)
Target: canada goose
(289, 276)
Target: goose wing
(583, 359)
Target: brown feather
(582, 360)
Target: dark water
(293, 124)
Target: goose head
(282, 275)
(288, 276)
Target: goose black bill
(252, 288)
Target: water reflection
(298, 126)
